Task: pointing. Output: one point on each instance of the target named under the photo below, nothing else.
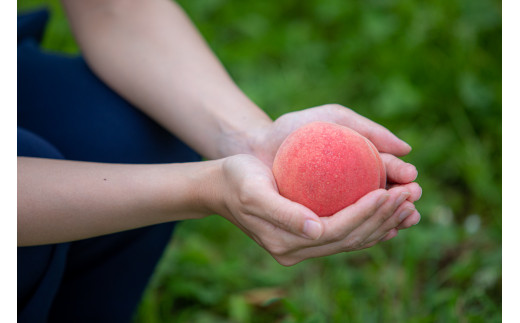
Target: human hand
(290, 232)
(399, 173)
(267, 141)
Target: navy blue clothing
(66, 112)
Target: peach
(327, 167)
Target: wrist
(206, 189)
(187, 190)
(244, 140)
(240, 127)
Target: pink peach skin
(327, 167)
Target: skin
(164, 68)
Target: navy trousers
(66, 112)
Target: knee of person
(30, 144)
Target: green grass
(431, 72)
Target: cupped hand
(268, 139)
(290, 232)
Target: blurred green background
(430, 71)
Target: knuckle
(245, 196)
(365, 216)
(390, 224)
(380, 220)
(354, 243)
(395, 221)
(247, 193)
(335, 106)
(336, 236)
(276, 249)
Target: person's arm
(68, 200)
(150, 53)
(62, 201)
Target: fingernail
(382, 199)
(420, 194)
(405, 213)
(402, 198)
(418, 220)
(415, 170)
(312, 229)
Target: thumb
(293, 217)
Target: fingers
(401, 214)
(414, 189)
(292, 217)
(382, 138)
(410, 221)
(385, 218)
(397, 170)
(374, 218)
(385, 141)
(390, 235)
(348, 219)
(352, 228)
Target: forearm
(64, 200)
(149, 52)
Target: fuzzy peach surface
(327, 167)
